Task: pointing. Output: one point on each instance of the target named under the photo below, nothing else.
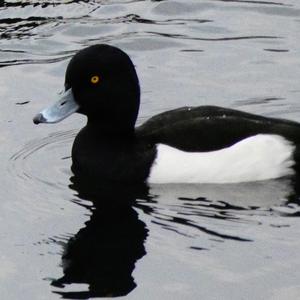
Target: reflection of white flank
(259, 157)
(263, 194)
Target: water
(175, 242)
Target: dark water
(60, 238)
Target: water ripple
(222, 211)
(27, 164)
(232, 38)
(32, 61)
(255, 2)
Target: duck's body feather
(210, 128)
(258, 157)
(195, 145)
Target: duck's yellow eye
(95, 79)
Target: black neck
(111, 129)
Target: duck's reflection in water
(103, 253)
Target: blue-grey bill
(63, 108)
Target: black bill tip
(39, 118)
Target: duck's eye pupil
(95, 79)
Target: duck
(204, 144)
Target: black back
(209, 128)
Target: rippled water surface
(175, 241)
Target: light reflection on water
(241, 54)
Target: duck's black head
(101, 83)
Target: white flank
(258, 157)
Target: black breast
(109, 158)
